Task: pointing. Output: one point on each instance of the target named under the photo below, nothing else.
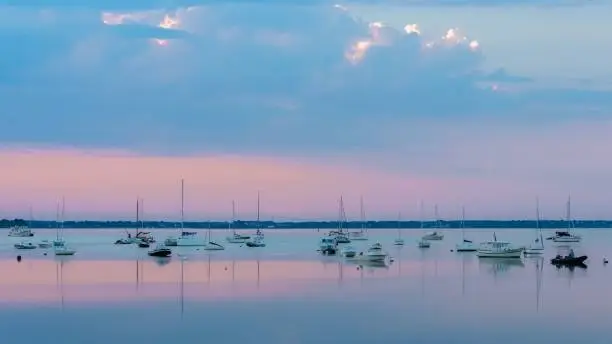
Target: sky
(486, 105)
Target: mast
(31, 216)
(436, 216)
(569, 213)
(399, 220)
(231, 224)
(538, 228)
(137, 214)
(363, 224)
(340, 215)
(57, 220)
(258, 223)
(421, 213)
(182, 205)
(463, 223)
(63, 213)
(142, 213)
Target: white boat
(424, 243)
(361, 234)
(20, 231)
(328, 246)
(64, 251)
(59, 244)
(190, 239)
(256, 241)
(399, 241)
(465, 245)
(339, 235)
(171, 241)
(45, 244)
(499, 249)
(25, 245)
(568, 235)
(186, 238)
(233, 237)
(537, 246)
(375, 253)
(435, 235)
(349, 252)
(210, 244)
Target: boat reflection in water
(500, 265)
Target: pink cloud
(105, 184)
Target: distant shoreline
(544, 224)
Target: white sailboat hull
(567, 239)
(466, 247)
(191, 240)
(534, 250)
(510, 253)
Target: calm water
(288, 293)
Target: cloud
(225, 76)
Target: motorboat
(328, 246)
(20, 231)
(423, 243)
(435, 235)
(349, 252)
(45, 244)
(257, 241)
(160, 251)
(499, 249)
(25, 246)
(143, 244)
(374, 253)
(145, 236)
(398, 242)
(59, 243)
(64, 251)
(466, 246)
(569, 260)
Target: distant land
(545, 224)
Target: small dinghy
(143, 244)
(160, 251)
(569, 260)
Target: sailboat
(258, 240)
(361, 234)
(59, 245)
(423, 243)
(399, 241)
(233, 237)
(186, 238)
(435, 235)
(465, 245)
(339, 236)
(537, 247)
(211, 245)
(568, 235)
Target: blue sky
(530, 106)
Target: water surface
(288, 293)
